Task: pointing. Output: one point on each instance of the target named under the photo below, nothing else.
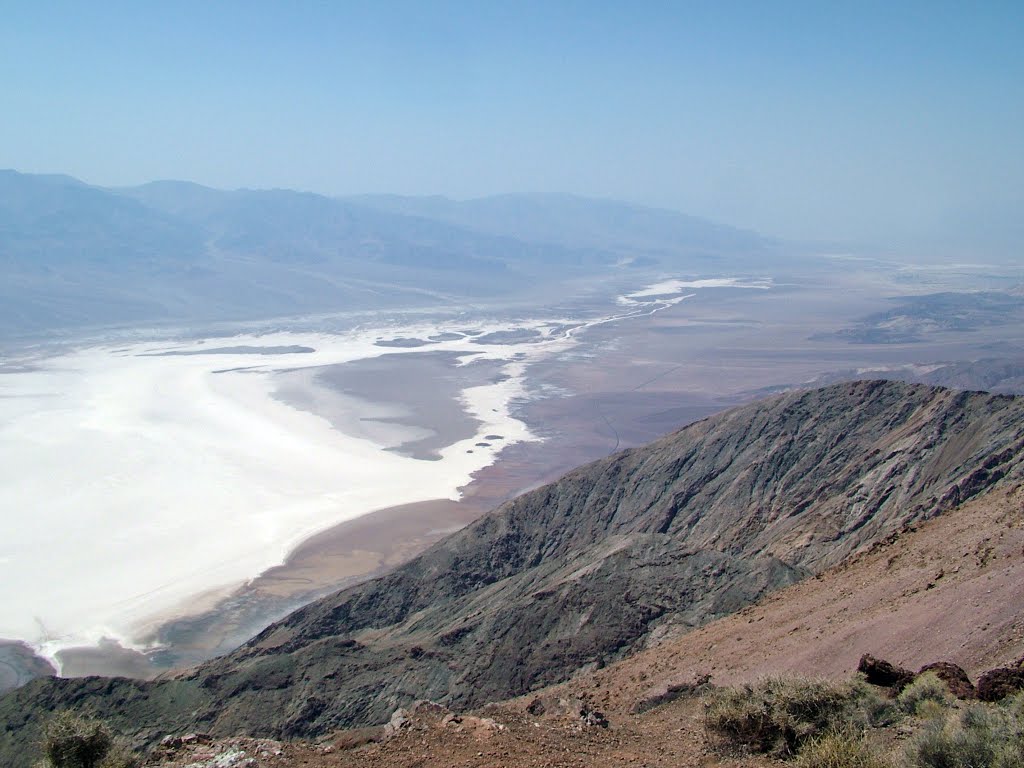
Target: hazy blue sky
(894, 123)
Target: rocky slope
(947, 589)
(944, 589)
(636, 548)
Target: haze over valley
(409, 385)
(196, 449)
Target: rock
(884, 674)
(954, 677)
(399, 721)
(420, 716)
(595, 719)
(171, 742)
(999, 683)
(483, 724)
(573, 708)
(233, 757)
(671, 693)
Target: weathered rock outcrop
(884, 673)
(617, 554)
(997, 684)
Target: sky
(895, 124)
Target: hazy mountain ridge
(639, 546)
(570, 220)
(74, 255)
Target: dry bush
(925, 688)
(978, 737)
(842, 748)
(71, 740)
(779, 715)
(120, 756)
(1014, 706)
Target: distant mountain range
(606, 226)
(74, 255)
(616, 556)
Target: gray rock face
(647, 542)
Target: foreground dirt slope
(891, 601)
(505, 736)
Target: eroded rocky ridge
(639, 546)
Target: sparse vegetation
(979, 736)
(844, 748)
(834, 725)
(926, 689)
(71, 740)
(120, 756)
(778, 716)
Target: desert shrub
(1014, 706)
(120, 756)
(925, 688)
(978, 737)
(843, 748)
(778, 715)
(932, 710)
(73, 741)
(873, 708)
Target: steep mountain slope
(633, 549)
(945, 589)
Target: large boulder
(997, 684)
(883, 673)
